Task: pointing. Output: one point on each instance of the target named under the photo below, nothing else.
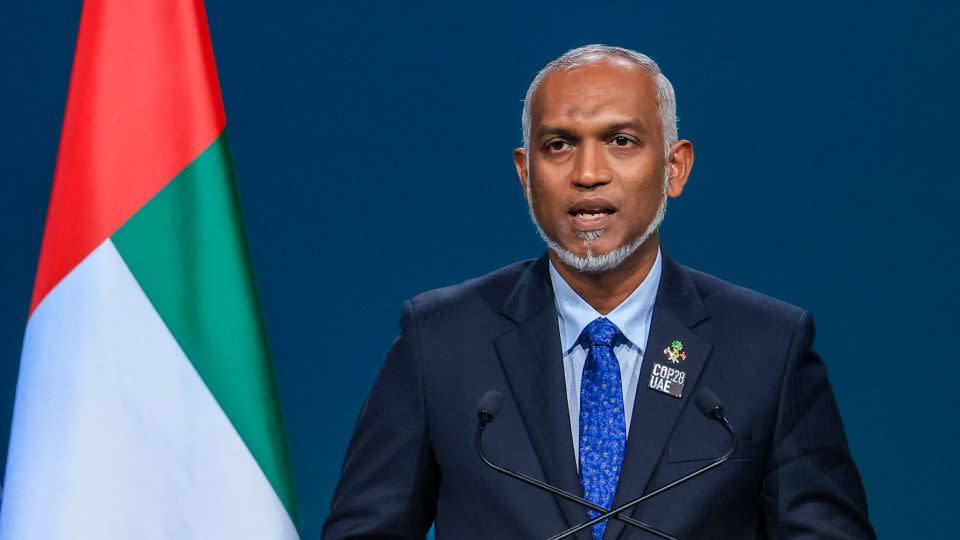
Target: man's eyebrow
(556, 131)
(633, 123)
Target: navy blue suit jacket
(411, 460)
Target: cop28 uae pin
(666, 378)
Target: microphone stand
(485, 418)
(626, 506)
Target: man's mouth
(591, 214)
(588, 215)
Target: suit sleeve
(811, 486)
(388, 484)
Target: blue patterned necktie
(603, 431)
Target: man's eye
(556, 146)
(621, 140)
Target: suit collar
(679, 294)
(531, 292)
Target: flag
(146, 405)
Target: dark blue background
(373, 149)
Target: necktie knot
(601, 332)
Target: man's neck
(604, 291)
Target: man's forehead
(604, 88)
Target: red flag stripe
(144, 101)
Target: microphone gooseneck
(712, 408)
(487, 411)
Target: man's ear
(679, 163)
(520, 160)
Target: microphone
(711, 407)
(709, 404)
(487, 411)
(489, 407)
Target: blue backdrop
(373, 150)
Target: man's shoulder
(486, 292)
(726, 300)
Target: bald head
(593, 54)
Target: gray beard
(592, 263)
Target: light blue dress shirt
(632, 317)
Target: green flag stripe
(187, 250)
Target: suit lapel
(531, 358)
(677, 310)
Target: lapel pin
(666, 379)
(675, 352)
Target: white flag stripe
(115, 435)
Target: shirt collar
(631, 316)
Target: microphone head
(489, 406)
(708, 403)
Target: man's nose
(591, 166)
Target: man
(581, 342)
